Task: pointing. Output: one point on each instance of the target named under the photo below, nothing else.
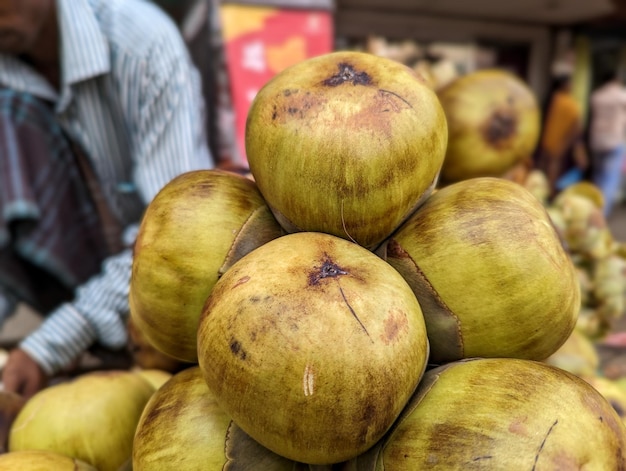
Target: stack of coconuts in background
(371, 299)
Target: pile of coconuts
(85, 423)
(342, 309)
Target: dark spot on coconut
(395, 324)
(500, 128)
(297, 105)
(288, 92)
(328, 269)
(255, 299)
(295, 108)
(480, 458)
(348, 74)
(237, 350)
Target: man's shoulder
(135, 26)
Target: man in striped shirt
(120, 85)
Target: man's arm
(99, 312)
(166, 121)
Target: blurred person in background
(100, 106)
(606, 137)
(200, 24)
(561, 153)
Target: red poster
(262, 41)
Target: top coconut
(346, 143)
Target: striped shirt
(130, 96)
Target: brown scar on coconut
(329, 269)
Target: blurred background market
(239, 46)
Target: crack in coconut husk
(258, 229)
(444, 334)
(370, 460)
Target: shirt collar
(84, 49)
